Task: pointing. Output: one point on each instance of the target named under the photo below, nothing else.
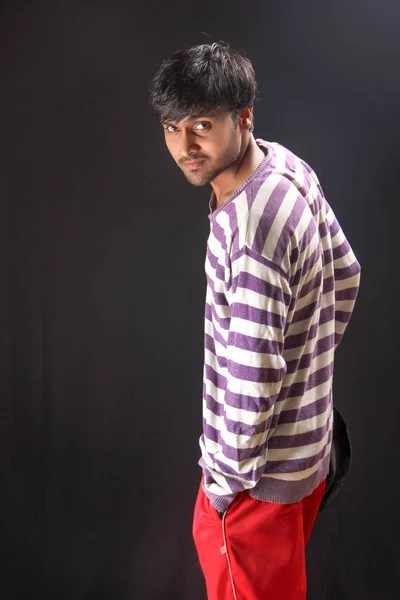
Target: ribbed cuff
(220, 503)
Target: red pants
(257, 551)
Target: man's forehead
(206, 114)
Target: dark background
(102, 247)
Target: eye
(200, 126)
(205, 123)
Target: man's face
(213, 141)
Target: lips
(192, 164)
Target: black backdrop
(102, 246)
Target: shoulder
(277, 219)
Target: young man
(281, 285)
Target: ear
(246, 117)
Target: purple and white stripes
(281, 285)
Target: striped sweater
(281, 284)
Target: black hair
(201, 78)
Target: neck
(228, 182)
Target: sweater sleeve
(258, 300)
(347, 270)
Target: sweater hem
(269, 489)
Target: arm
(346, 275)
(258, 299)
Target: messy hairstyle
(198, 79)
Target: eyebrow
(210, 115)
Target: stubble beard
(199, 179)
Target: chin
(198, 183)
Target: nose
(188, 144)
